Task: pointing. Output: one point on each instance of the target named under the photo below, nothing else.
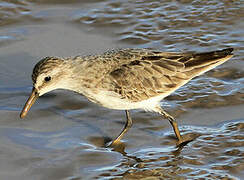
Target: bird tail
(200, 63)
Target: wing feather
(150, 73)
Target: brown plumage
(124, 79)
(148, 74)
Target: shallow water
(63, 135)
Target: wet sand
(63, 135)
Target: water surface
(63, 135)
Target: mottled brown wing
(151, 73)
(147, 77)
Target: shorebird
(124, 79)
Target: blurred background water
(63, 135)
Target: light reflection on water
(64, 136)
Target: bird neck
(79, 76)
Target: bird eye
(48, 78)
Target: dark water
(63, 135)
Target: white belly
(113, 101)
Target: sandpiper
(124, 79)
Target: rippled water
(63, 136)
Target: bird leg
(174, 124)
(127, 126)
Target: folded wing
(157, 73)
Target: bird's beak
(34, 95)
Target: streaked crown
(44, 66)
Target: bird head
(48, 74)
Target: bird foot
(117, 146)
(112, 144)
(185, 139)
